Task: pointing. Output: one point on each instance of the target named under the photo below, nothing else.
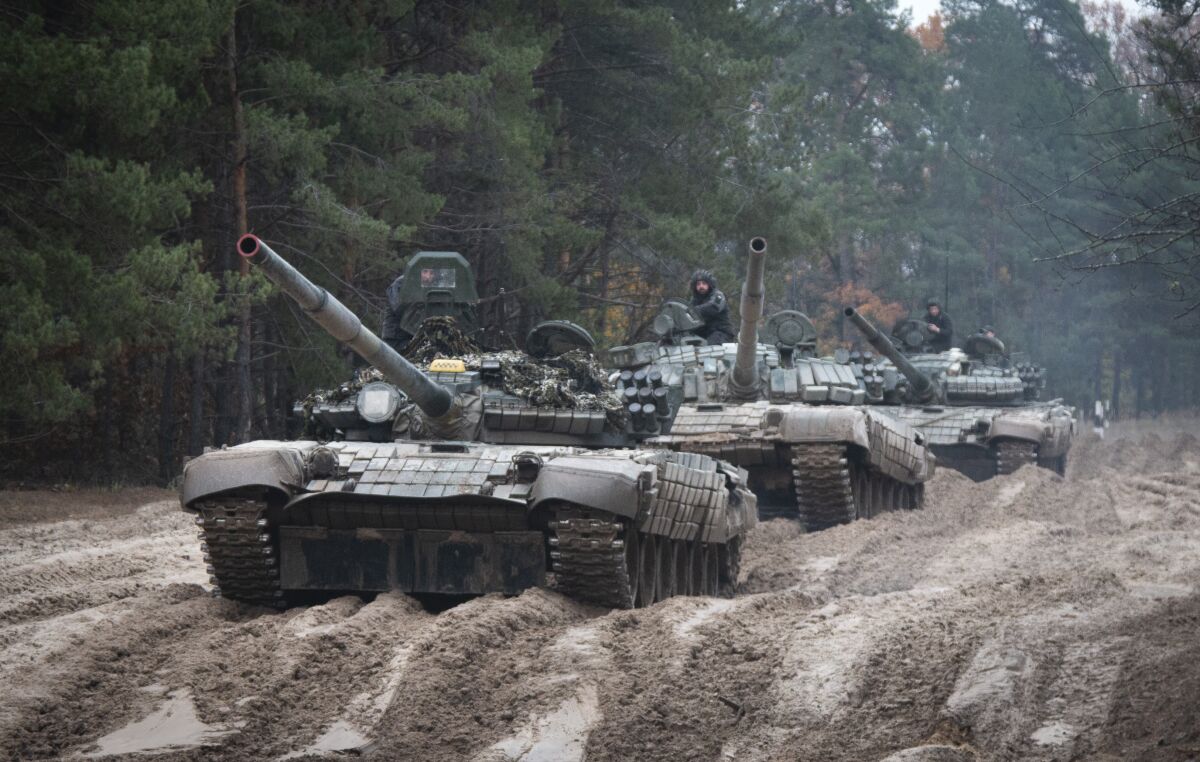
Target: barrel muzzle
(248, 246)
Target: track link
(239, 550)
(821, 475)
(589, 560)
(1057, 465)
(1010, 456)
(605, 562)
(832, 489)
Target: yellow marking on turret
(447, 366)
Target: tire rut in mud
(1029, 616)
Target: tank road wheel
(668, 585)
(1057, 465)
(695, 553)
(1012, 455)
(730, 563)
(682, 565)
(633, 561)
(914, 496)
(860, 480)
(648, 590)
(879, 497)
(712, 571)
(895, 495)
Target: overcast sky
(923, 9)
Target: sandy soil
(1030, 617)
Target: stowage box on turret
(446, 481)
(798, 424)
(979, 409)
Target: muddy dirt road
(1030, 617)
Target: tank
(979, 407)
(442, 480)
(799, 425)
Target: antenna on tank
(946, 295)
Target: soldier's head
(703, 283)
(988, 331)
(933, 307)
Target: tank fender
(892, 446)
(617, 485)
(1021, 429)
(812, 423)
(280, 467)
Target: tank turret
(923, 388)
(434, 399)
(746, 378)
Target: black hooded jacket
(941, 341)
(713, 307)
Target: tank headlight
(377, 402)
(322, 463)
(954, 369)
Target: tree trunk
(1162, 388)
(245, 389)
(1116, 385)
(605, 271)
(270, 380)
(106, 419)
(166, 422)
(196, 428)
(223, 388)
(1139, 390)
(845, 274)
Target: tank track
(1057, 465)
(1012, 455)
(589, 559)
(832, 489)
(824, 496)
(238, 549)
(600, 559)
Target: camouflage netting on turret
(573, 380)
(439, 337)
(342, 393)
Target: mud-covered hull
(824, 464)
(982, 442)
(282, 517)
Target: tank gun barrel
(745, 368)
(922, 386)
(338, 321)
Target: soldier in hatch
(712, 306)
(940, 326)
(393, 333)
